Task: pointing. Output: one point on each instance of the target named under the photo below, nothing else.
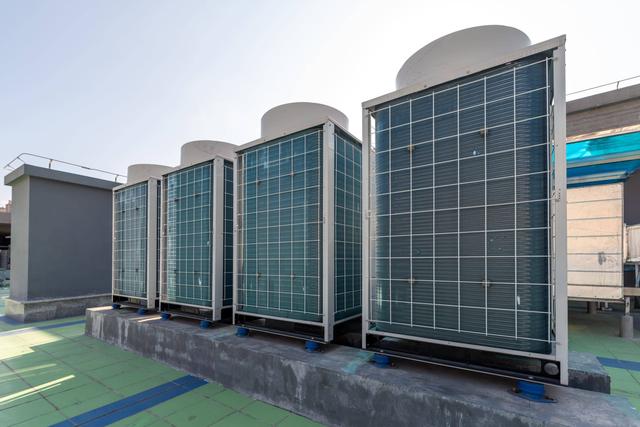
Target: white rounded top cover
(142, 171)
(296, 116)
(200, 151)
(454, 53)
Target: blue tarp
(612, 157)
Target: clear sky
(114, 82)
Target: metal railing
(51, 161)
(615, 85)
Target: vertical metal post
(163, 241)
(237, 262)
(328, 229)
(560, 217)
(152, 223)
(113, 243)
(217, 238)
(366, 207)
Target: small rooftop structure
(61, 243)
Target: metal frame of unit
(328, 230)
(558, 213)
(151, 275)
(211, 313)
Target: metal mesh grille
(130, 241)
(460, 177)
(348, 226)
(188, 235)
(280, 227)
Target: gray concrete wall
(61, 234)
(609, 110)
(69, 239)
(20, 239)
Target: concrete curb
(339, 387)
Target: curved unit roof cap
(142, 171)
(296, 116)
(448, 55)
(199, 151)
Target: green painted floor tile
(97, 362)
(176, 404)
(209, 390)
(86, 356)
(109, 371)
(7, 377)
(26, 360)
(634, 356)
(202, 414)
(12, 351)
(77, 381)
(87, 405)
(43, 420)
(126, 379)
(12, 386)
(4, 369)
(622, 381)
(84, 339)
(265, 412)
(153, 367)
(119, 353)
(160, 423)
(18, 399)
(95, 343)
(298, 421)
(149, 383)
(38, 338)
(138, 420)
(621, 346)
(51, 376)
(77, 395)
(68, 350)
(70, 331)
(20, 413)
(239, 419)
(232, 399)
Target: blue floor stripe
(41, 328)
(622, 364)
(135, 404)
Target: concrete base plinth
(586, 372)
(626, 326)
(47, 309)
(338, 386)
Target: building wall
(69, 239)
(605, 111)
(607, 117)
